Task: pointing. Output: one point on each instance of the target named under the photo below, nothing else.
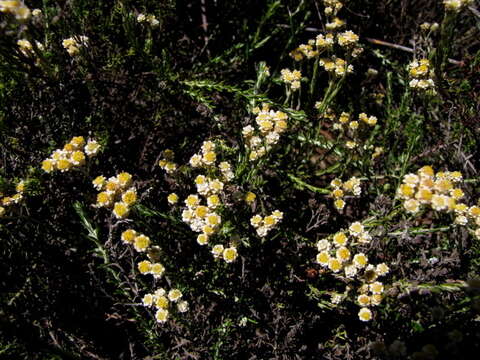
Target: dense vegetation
(300, 177)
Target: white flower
(182, 306)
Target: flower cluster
(456, 5)
(271, 124)
(291, 78)
(167, 163)
(336, 254)
(336, 66)
(332, 7)
(349, 128)
(6, 201)
(16, 8)
(441, 192)
(347, 40)
(206, 157)
(74, 44)
(421, 76)
(162, 302)
(73, 154)
(160, 299)
(426, 26)
(26, 47)
(202, 212)
(141, 243)
(340, 189)
(264, 225)
(116, 193)
(229, 254)
(151, 19)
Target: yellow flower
(104, 199)
(217, 250)
(411, 179)
(144, 266)
(363, 300)
(69, 147)
(439, 202)
(356, 228)
(457, 193)
(256, 221)
(124, 179)
(213, 201)
(141, 243)
(365, 314)
(20, 187)
(192, 201)
(161, 315)
(323, 258)
(230, 254)
(77, 142)
(215, 186)
(406, 191)
(48, 165)
(269, 221)
(128, 236)
(343, 254)
(129, 197)
(426, 171)
(121, 210)
(376, 299)
(360, 260)
(411, 205)
(474, 211)
(200, 180)
(250, 197)
(424, 195)
(64, 165)
(208, 230)
(456, 176)
(17, 197)
(337, 193)
(339, 204)
(111, 185)
(443, 185)
(172, 198)
(147, 300)
(157, 270)
(201, 211)
(336, 183)
(214, 220)
(376, 287)
(174, 295)
(209, 157)
(335, 265)
(92, 148)
(460, 208)
(99, 182)
(2, 211)
(351, 144)
(353, 125)
(340, 239)
(202, 239)
(162, 302)
(208, 146)
(382, 269)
